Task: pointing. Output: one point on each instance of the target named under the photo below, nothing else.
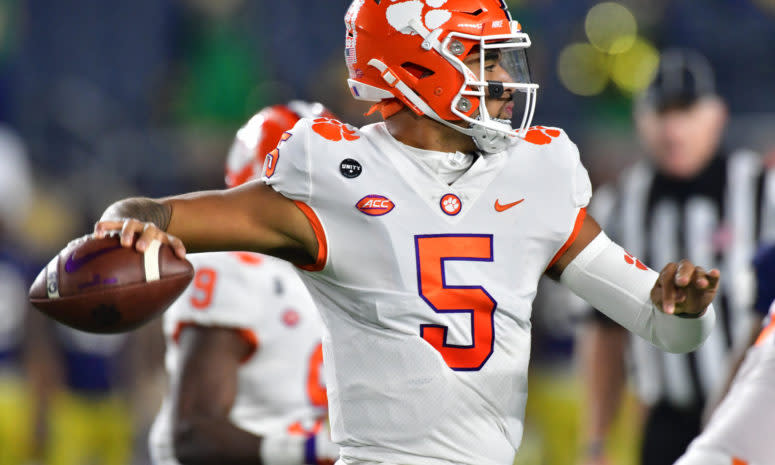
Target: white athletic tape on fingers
(52, 278)
(151, 259)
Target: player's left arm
(671, 309)
(204, 395)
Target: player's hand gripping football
(684, 289)
(139, 234)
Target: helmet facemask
(504, 53)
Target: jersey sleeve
(287, 167)
(582, 186)
(222, 294)
(575, 199)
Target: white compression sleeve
(600, 275)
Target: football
(98, 286)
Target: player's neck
(424, 133)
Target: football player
(740, 430)
(243, 345)
(422, 238)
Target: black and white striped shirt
(715, 220)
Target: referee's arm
(603, 370)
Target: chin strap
(491, 141)
(387, 107)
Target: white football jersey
(426, 288)
(280, 385)
(740, 430)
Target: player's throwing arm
(251, 217)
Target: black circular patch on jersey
(350, 168)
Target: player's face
(682, 140)
(503, 106)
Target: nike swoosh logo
(72, 265)
(503, 208)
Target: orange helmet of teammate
(413, 51)
(262, 134)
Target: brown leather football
(95, 285)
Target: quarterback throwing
(422, 238)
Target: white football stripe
(151, 259)
(52, 278)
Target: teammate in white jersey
(422, 239)
(243, 346)
(740, 430)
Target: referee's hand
(684, 289)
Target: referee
(692, 198)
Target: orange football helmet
(413, 51)
(262, 134)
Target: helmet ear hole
(418, 71)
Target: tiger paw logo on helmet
(540, 135)
(400, 15)
(334, 130)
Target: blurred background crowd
(102, 100)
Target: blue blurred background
(101, 100)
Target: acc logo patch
(375, 205)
